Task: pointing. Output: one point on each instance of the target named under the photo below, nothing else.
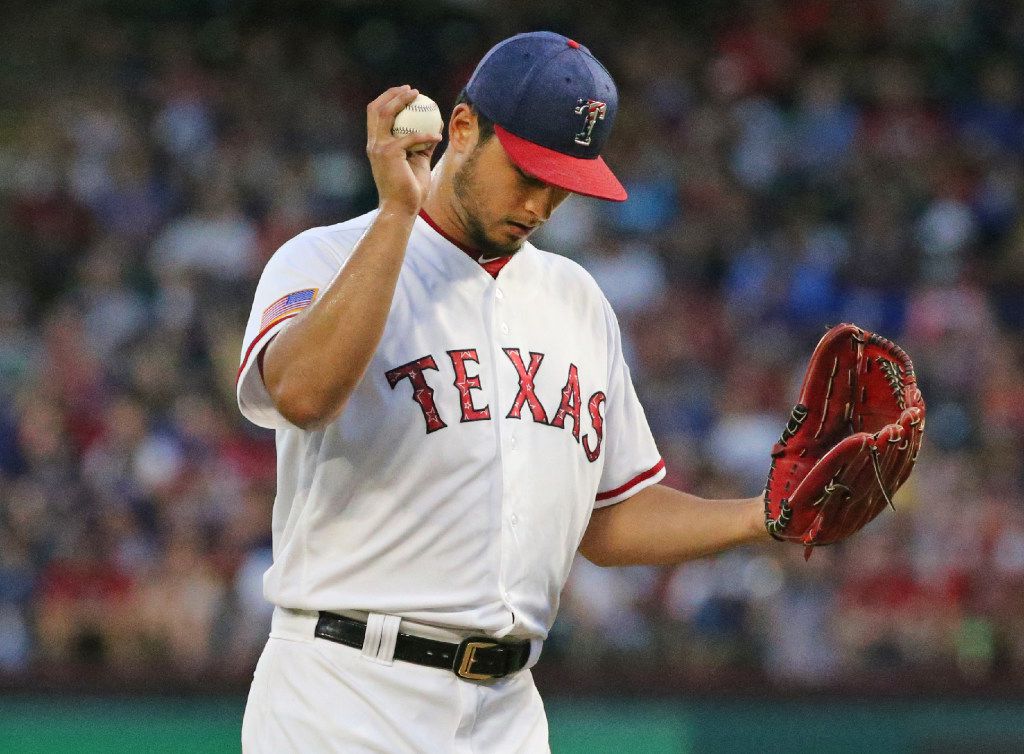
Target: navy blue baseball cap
(552, 104)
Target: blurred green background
(38, 725)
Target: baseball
(421, 116)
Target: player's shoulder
(567, 275)
(345, 230)
(566, 272)
(335, 240)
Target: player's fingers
(374, 118)
(388, 106)
(398, 101)
(420, 161)
(409, 141)
(390, 109)
(385, 96)
(426, 155)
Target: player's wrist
(756, 530)
(398, 210)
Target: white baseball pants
(314, 696)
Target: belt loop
(536, 647)
(381, 635)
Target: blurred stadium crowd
(790, 164)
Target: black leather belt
(476, 658)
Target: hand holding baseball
(421, 116)
(400, 163)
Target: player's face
(500, 204)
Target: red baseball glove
(851, 441)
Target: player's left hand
(851, 441)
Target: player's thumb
(417, 144)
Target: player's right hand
(402, 177)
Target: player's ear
(462, 129)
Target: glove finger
(869, 499)
(892, 449)
(829, 490)
(899, 451)
(831, 464)
(913, 421)
(859, 510)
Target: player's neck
(440, 207)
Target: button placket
(509, 540)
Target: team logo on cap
(594, 111)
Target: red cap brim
(579, 175)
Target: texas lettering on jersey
(570, 406)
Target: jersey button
(514, 519)
(498, 293)
(504, 328)
(512, 442)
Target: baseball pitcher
(455, 420)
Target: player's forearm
(313, 366)
(662, 526)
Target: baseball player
(454, 421)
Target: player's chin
(504, 243)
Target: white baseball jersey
(455, 487)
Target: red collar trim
(495, 265)
(473, 253)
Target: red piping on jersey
(632, 482)
(264, 331)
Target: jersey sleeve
(292, 281)
(632, 461)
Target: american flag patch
(287, 305)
